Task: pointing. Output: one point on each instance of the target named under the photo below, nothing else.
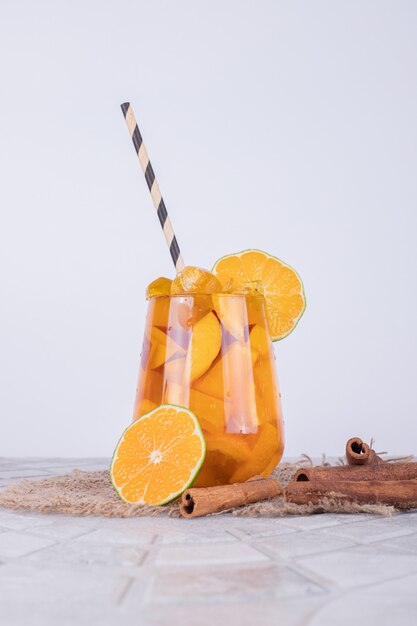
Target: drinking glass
(213, 355)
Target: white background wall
(286, 126)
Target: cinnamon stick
(399, 493)
(205, 500)
(359, 453)
(384, 471)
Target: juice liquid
(213, 355)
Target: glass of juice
(212, 353)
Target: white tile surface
(61, 529)
(277, 612)
(57, 570)
(18, 520)
(300, 544)
(360, 565)
(257, 528)
(406, 543)
(119, 534)
(13, 544)
(51, 597)
(391, 602)
(310, 522)
(376, 530)
(228, 584)
(207, 554)
(194, 536)
(78, 553)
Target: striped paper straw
(157, 199)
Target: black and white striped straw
(153, 186)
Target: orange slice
(163, 347)
(158, 456)
(158, 312)
(259, 342)
(261, 456)
(205, 345)
(209, 411)
(159, 287)
(211, 473)
(195, 280)
(231, 446)
(211, 383)
(192, 309)
(280, 284)
(272, 464)
(264, 376)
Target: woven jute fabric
(91, 493)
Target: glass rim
(252, 296)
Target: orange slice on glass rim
(159, 287)
(194, 280)
(158, 456)
(279, 283)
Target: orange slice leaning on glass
(158, 456)
(279, 283)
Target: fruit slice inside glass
(213, 354)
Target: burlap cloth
(91, 493)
